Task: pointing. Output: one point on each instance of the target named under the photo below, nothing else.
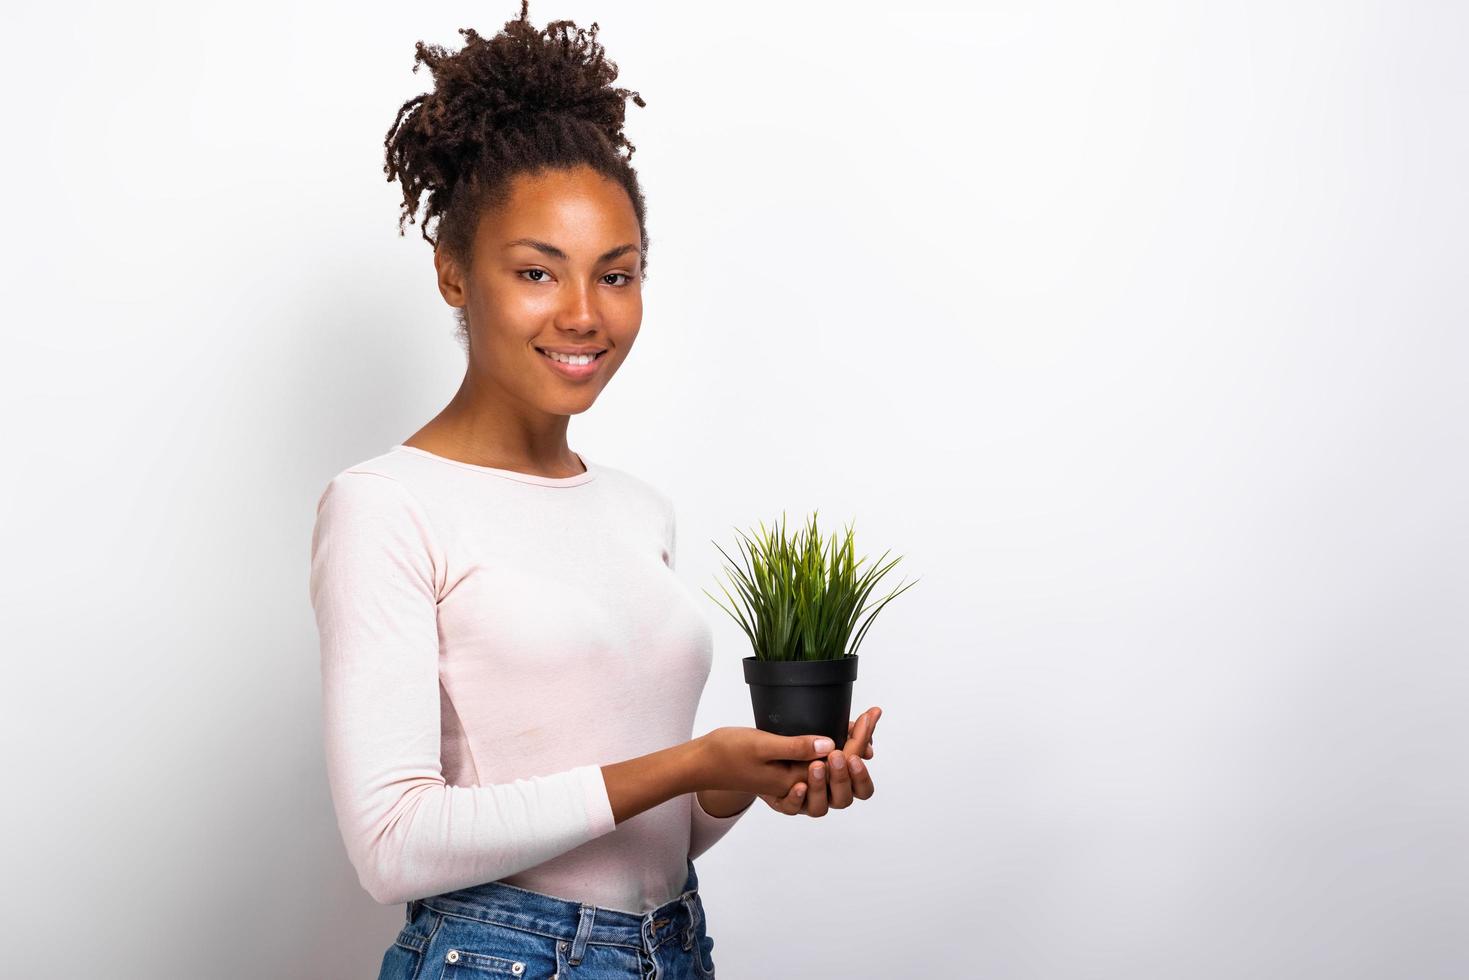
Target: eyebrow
(555, 252)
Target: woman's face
(556, 267)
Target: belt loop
(649, 934)
(583, 932)
(412, 910)
(691, 905)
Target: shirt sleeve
(376, 574)
(705, 829)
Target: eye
(624, 275)
(526, 271)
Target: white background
(1139, 330)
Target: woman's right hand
(748, 760)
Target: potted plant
(801, 604)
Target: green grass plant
(801, 598)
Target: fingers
(835, 777)
(806, 747)
(862, 787)
(859, 733)
(839, 781)
(790, 804)
(833, 786)
(816, 803)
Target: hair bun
(518, 77)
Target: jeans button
(453, 956)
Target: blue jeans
(499, 930)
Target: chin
(571, 404)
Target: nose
(578, 313)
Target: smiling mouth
(561, 358)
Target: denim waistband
(577, 922)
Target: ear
(450, 277)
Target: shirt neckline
(589, 474)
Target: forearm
(724, 802)
(635, 785)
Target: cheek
(630, 321)
(510, 302)
(625, 341)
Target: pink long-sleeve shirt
(489, 640)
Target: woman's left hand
(834, 781)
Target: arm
(707, 828)
(376, 572)
(712, 812)
(723, 802)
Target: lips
(574, 372)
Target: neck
(492, 429)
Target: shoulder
(368, 520)
(378, 485)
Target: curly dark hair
(523, 101)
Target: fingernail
(825, 745)
(800, 791)
(819, 774)
(857, 765)
(839, 762)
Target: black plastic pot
(802, 697)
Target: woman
(510, 666)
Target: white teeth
(570, 358)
